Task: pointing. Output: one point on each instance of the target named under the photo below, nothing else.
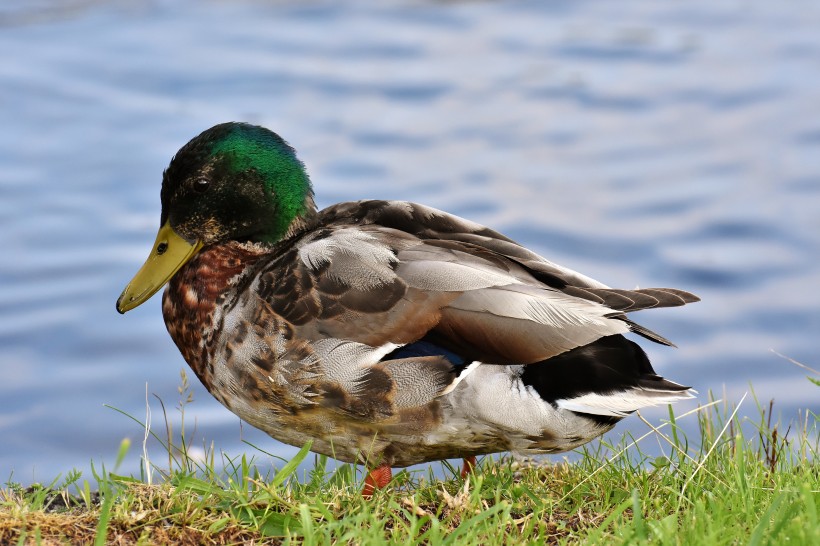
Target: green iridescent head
(233, 182)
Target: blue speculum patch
(426, 348)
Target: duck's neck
(190, 300)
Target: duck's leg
(469, 466)
(376, 479)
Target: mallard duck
(386, 333)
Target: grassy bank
(740, 482)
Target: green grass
(740, 481)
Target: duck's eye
(201, 184)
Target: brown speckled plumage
(191, 297)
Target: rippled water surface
(653, 144)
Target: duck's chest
(243, 352)
(194, 301)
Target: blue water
(643, 143)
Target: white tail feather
(621, 403)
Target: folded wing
(394, 272)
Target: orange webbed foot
(469, 466)
(377, 478)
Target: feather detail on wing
(353, 258)
(379, 272)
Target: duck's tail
(611, 376)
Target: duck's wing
(385, 274)
(429, 224)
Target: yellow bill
(169, 254)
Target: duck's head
(233, 182)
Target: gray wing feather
(499, 287)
